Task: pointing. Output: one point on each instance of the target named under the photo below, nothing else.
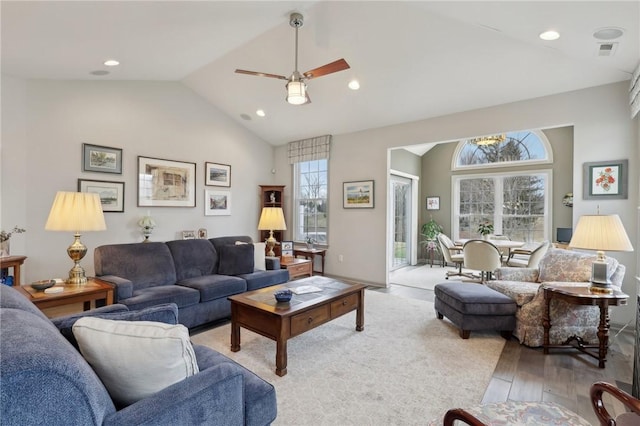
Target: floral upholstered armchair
(556, 268)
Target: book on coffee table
(304, 289)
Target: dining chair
(452, 254)
(528, 257)
(483, 256)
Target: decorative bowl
(43, 284)
(283, 295)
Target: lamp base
(600, 282)
(271, 242)
(77, 275)
(76, 252)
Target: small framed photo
(433, 203)
(287, 248)
(217, 174)
(202, 233)
(188, 235)
(103, 159)
(111, 193)
(217, 203)
(166, 183)
(605, 180)
(358, 194)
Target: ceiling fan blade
(262, 74)
(335, 66)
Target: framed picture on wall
(287, 248)
(102, 159)
(358, 194)
(166, 183)
(605, 180)
(217, 174)
(433, 203)
(217, 203)
(111, 193)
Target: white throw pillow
(259, 249)
(135, 359)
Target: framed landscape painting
(166, 183)
(103, 159)
(605, 180)
(111, 193)
(217, 203)
(358, 195)
(217, 174)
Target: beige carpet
(405, 368)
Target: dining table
(503, 245)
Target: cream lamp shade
(272, 219)
(76, 212)
(601, 233)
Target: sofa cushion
(180, 295)
(167, 313)
(236, 259)
(213, 287)
(145, 265)
(135, 359)
(259, 279)
(193, 258)
(259, 255)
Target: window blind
(309, 149)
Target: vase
(485, 237)
(5, 249)
(310, 246)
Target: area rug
(423, 276)
(406, 367)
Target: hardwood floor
(563, 376)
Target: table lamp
(271, 219)
(76, 212)
(600, 232)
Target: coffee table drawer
(344, 305)
(309, 319)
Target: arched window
(525, 147)
(515, 202)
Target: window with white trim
(310, 211)
(516, 203)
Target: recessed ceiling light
(245, 117)
(99, 72)
(549, 35)
(609, 33)
(111, 63)
(260, 113)
(354, 85)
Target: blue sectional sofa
(197, 275)
(46, 380)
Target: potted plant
(485, 228)
(429, 232)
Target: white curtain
(309, 149)
(634, 92)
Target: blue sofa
(197, 275)
(45, 380)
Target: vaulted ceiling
(413, 59)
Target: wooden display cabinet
(272, 196)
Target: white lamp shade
(600, 232)
(147, 222)
(296, 93)
(272, 218)
(77, 212)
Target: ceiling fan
(296, 83)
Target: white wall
(44, 125)
(602, 131)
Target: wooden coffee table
(259, 312)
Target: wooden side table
(583, 296)
(297, 267)
(94, 289)
(308, 253)
(14, 262)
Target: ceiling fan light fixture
(296, 92)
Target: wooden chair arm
(597, 389)
(460, 414)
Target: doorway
(401, 222)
